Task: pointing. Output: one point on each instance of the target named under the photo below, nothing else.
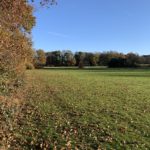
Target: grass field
(91, 109)
(85, 109)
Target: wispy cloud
(58, 34)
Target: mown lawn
(91, 109)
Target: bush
(15, 44)
(29, 66)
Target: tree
(57, 58)
(106, 57)
(93, 59)
(132, 59)
(41, 58)
(68, 58)
(146, 59)
(80, 57)
(16, 23)
(117, 62)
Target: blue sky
(95, 26)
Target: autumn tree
(68, 58)
(40, 58)
(93, 59)
(16, 22)
(106, 57)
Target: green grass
(92, 108)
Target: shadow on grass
(103, 68)
(128, 75)
(60, 68)
(109, 72)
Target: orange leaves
(15, 47)
(16, 14)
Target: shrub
(29, 66)
(16, 21)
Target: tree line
(81, 59)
